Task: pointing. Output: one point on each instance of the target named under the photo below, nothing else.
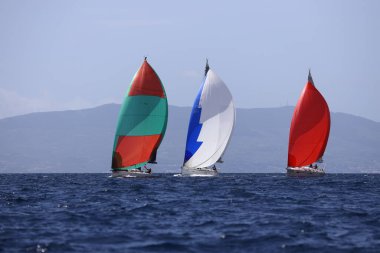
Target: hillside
(81, 141)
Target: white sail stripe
(229, 139)
(215, 157)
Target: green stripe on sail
(142, 115)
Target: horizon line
(181, 106)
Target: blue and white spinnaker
(211, 123)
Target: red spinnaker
(310, 128)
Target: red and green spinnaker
(142, 121)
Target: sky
(59, 55)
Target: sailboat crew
(147, 170)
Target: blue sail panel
(192, 143)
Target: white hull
(130, 173)
(305, 171)
(199, 172)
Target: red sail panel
(310, 128)
(146, 82)
(131, 150)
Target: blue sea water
(228, 213)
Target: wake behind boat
(141, 125)
(309, 133)
(211, 123)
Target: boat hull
(304, 171)
(130, 173)
(199, 172)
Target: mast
(207, 68)
(310, 78)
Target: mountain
(81, 141)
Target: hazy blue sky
(58, 55)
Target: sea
(165, 213)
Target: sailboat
(141, 125)
(211, 123)
(309, 133)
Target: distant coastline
(80, 141)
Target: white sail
(217, 119)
